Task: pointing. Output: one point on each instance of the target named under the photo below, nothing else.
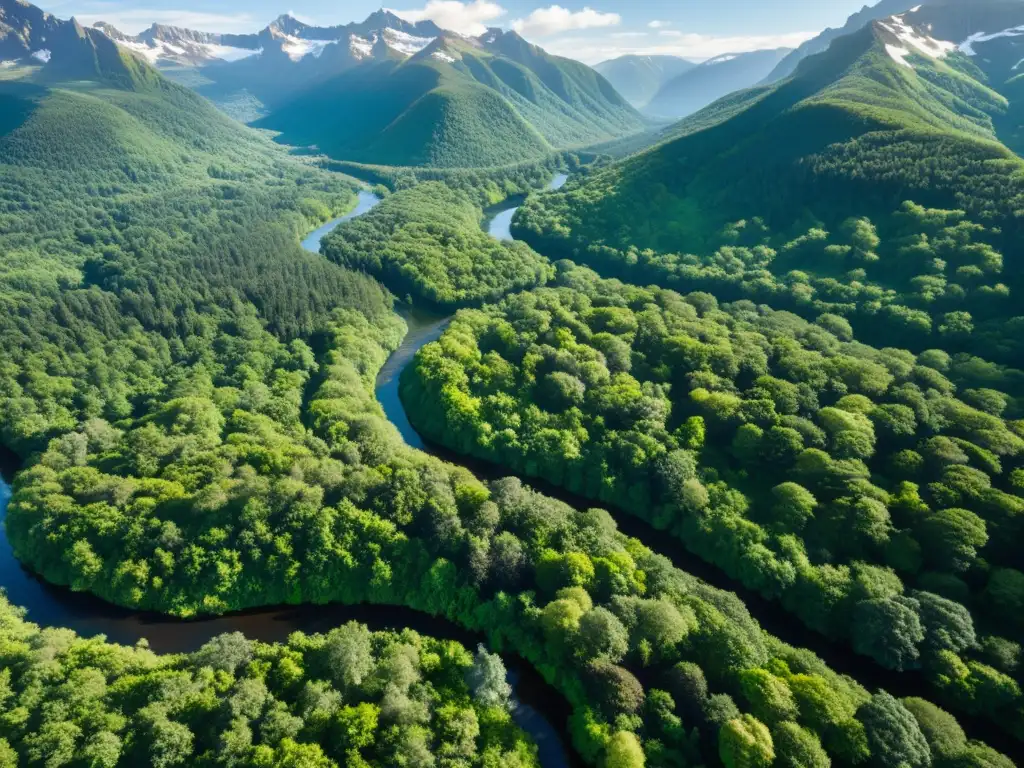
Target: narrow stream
(365, 203)
(498, 218)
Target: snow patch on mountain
(443, 56)
(227, 53)
(899, 55)
(298, 49)
(405, 43)
(361, 47)
(42, 55)
(907, 35)
(967, 46)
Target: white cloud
(626, 35)
(466, 18)
(694, 46)
(135, 20)
(555, 19)
(658, 24)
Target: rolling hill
(697, 87)
(458, 102)
(639, 78)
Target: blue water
(366, 202)
(499, 219)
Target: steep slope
(247, 75)
(831, 192)
(859, 20)
(639, 78)
(696, 88)
(458, 103)
(60, 49)
(165, 46)
(886, 112)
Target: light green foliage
(746, 743)
(796, 747)
(427, 243)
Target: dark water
(498, 218)
(537, 706)
(424, 328)
(367, 201)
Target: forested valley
(191, 399)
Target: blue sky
(590, 31)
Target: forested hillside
(798, 195)
(459, 102)
(192, 398)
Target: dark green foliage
(758, 439)
(68, 700)
(426, 242)
(893, 734)
(138, 227)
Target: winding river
(537, 707)
(498, 219)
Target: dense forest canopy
(192, 396)
(879, 501)
(348, 697)
(427, 243)
(796, 195)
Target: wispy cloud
(556, 19)
(658, 24)
(303, 18)
(134, 20)
(593, 49)
(466, 18)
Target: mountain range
(459, 101)
(425, 96)
(639, 78)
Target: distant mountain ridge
(881, 10)
(285, 37)
(699, 86)
(639, 78)
(458, 102)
